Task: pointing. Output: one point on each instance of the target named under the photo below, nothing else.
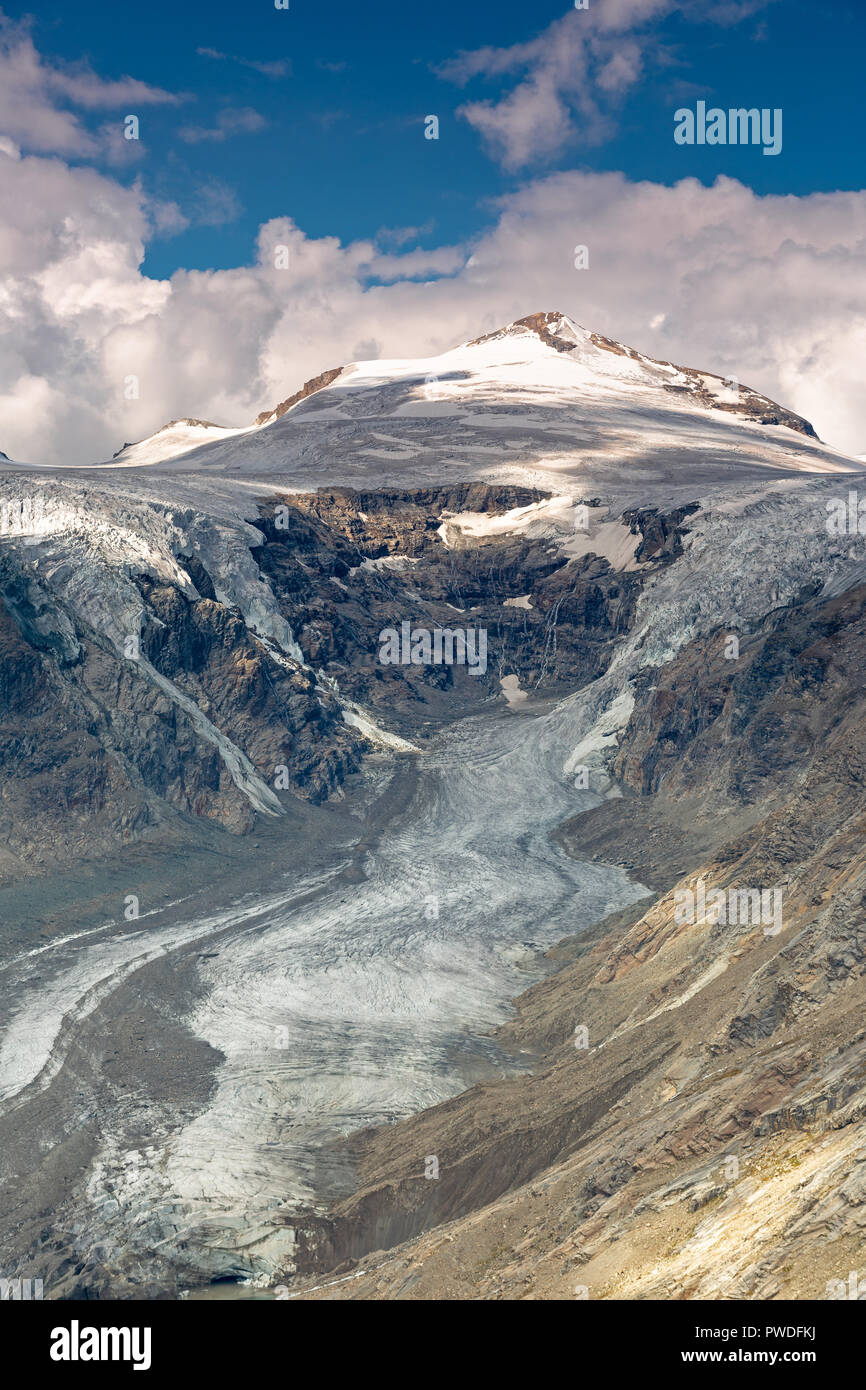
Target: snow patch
(355, 716)
(538, 519)
(387, 562)
(611, 540)
(512, 691)
(172, 441)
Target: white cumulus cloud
(571, 79)
(38, 98)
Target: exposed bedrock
(346, 565)
(198, 674)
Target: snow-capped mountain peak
(542, 401)
(175, 438)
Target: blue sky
(340, 147)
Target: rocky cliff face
(352, 564)
(113, 723)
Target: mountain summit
(541, 395)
